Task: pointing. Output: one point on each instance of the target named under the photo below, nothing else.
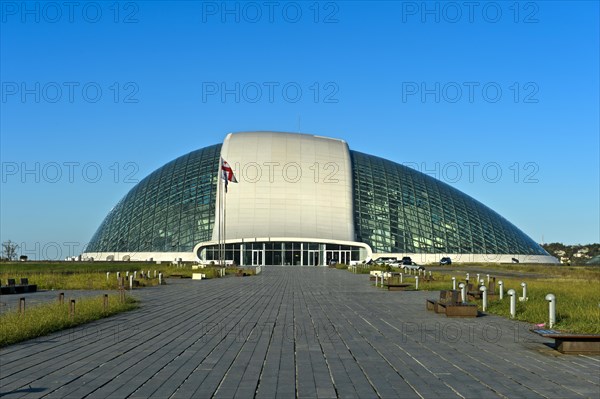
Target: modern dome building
(303, 200)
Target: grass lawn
(577, 291)
(47, 318)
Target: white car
(412, 267)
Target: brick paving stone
(291, 332)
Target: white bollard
(513, 302)
(463, 292)
(155, 274)
(149, 275)
(130, 282)
(401, 278)
(159, 278)
(118, 274)
(135, 274)
(377, 280)
(107, 275)
(416, 282)
(524, 285)
(454, 283)
(467, 276)
(488, 278)
(501, 289)
(481, 282)
(126, 274)
(477, 277)
(551, 309)
(483, 290)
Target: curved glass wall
(170, 210)
(282, 253)
(400, 210)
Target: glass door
(256, 257)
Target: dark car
(445, 261)
(407, 261)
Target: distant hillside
(574, 254)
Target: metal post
(416, 282)
(513, 303)
(454, 283)
(463, 292)
(107, 275)
(488, 278)
(130, 282)
(159, 278)
(501, 289)
(22, 305)
(401, 278)
(551, 309)
(483, 290)
(477, 277)
(524, 285)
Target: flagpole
(225, 223)
(219, 178)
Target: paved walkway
(293, 332)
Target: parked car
(407, 261)
(445, 261)
(414, 266)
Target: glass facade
(282, 253)
(171, 210)
(396, 210)
(400, 210)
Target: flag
(227, 173)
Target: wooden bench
(461, 310)
(450, 305)
(13, 288)
(394, 284)
(573, 344)
(446, 297)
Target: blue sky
(498, 99)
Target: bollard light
(513, 303)
(107, 275)
(131, 282)
(159, 278)
(463, 292)
(483, 290)
(416, 282)
(524, 285)
(501, 289)
(551, 309)
(454, 283)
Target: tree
(9, 250)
